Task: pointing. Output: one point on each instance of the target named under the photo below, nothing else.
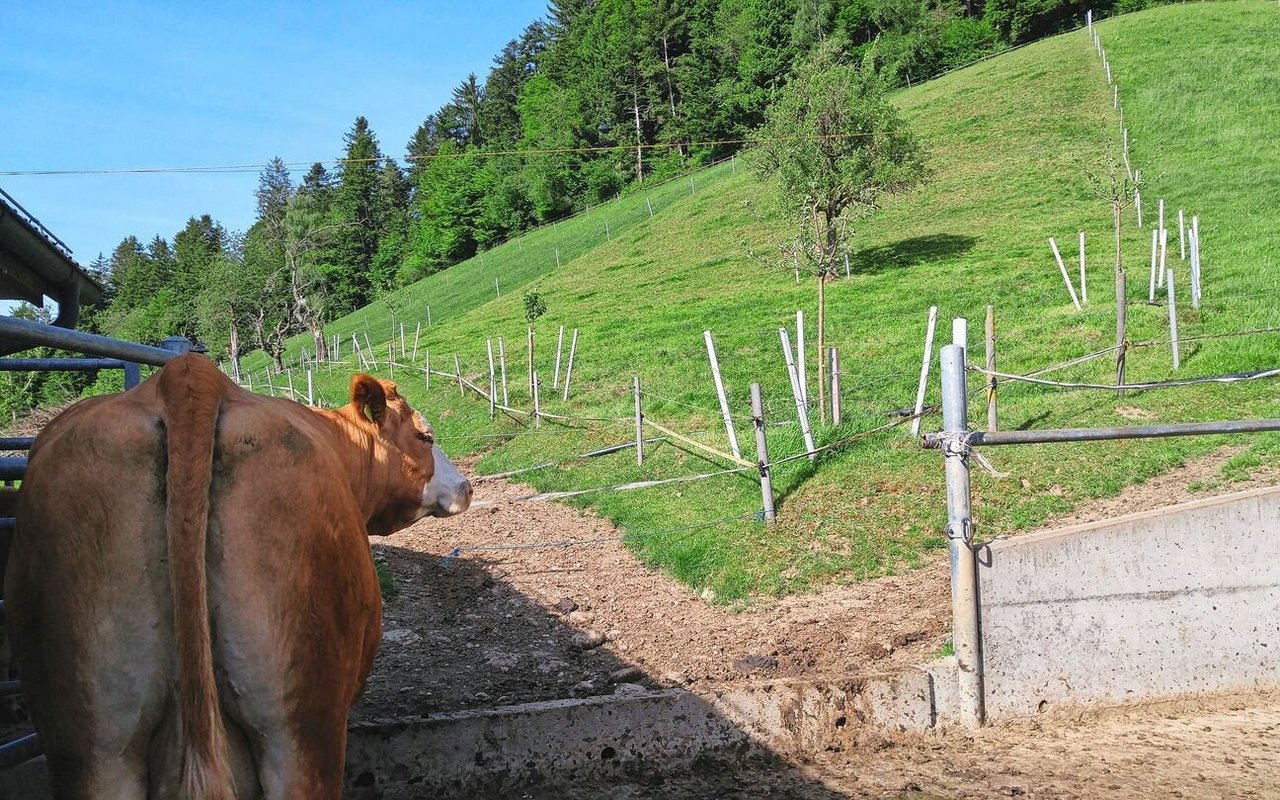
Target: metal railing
(106, 353)
(958, 444)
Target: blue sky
(119, 85)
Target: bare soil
(502, 626)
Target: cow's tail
(192, 394)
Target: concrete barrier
(1184, 599)
(473, 753)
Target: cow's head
(408, 437)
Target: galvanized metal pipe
(965, 636)
(933, 441)
(58, 364)
(12, 469)
(78, 341)
(19, 751)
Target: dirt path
(507, 626)
(1219, 747)
(511, 626)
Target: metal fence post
(762, 455)
(965, 635)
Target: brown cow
(193, 600)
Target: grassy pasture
(1010, 140)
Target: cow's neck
(373, 477)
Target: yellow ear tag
(367, 410)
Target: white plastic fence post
(924, 370)
(1151, 285)
(555, 379)
(724, 401)
(801, 412)
(804, 378)
(1071, 289)
(568, 372)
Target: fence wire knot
(956, 443)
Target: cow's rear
(193, 601)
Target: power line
(237, 168)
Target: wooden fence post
(639, 425)
(502, 366)
(537, 408)
(1084, 288)
(530, 347)
(493, 388)
(1122, 312)
(762, 455)
(991, 363)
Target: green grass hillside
(1010, 142)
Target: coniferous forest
(596, 98)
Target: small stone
(480, 696)
(624, 675)
(754, 661)
(629, 688)
(565, 605)
(400, 636)
(583, 688)
(581, 617)
(614, 634)
(675, 678)
(709, 595)
(588, 640)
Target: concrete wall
(1184, 599)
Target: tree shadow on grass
(909, 252)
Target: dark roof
(34, 263)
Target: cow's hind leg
(307, 767)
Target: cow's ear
(367, 396)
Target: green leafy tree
(837, 146)
(442, 232)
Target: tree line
(596, 98)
